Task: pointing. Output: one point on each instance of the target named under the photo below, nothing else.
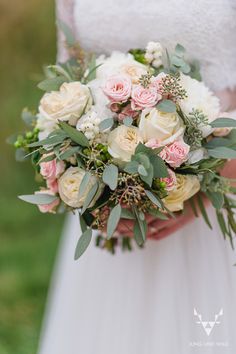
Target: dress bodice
(207, 28)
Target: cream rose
(163, 127)
(134, 70)
(122, 142)
(67, 104)
(69, 184)
(186, 186)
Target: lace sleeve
(64, 12)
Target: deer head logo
(208, 325)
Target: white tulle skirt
(143, 302)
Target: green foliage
(166, 106)
(83, 243)
(106, 124)
(223, 123)
(113, 220)
(75, 135)
(38, 199)
(139, 55)
(110, 176)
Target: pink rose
(48, 208)
(170, 181)
(144, 97)
(127, 112)
(176, 153)
(52, 184)
(118, 88)
(51, 169)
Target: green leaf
(142, 171)
(20, 155)
(70, 152)
(110, 176)
(221, 221)
(179, 50)
(127, 214)
(70, 39)
(166, 106)
(83, 224)
(193, 206)
(131, 167)
(177, 61)
(128, 121)
(113, 220)
(149, 178)
(216, 198)
(75, 135)
(52, 84)
(84, 183)
(154, 199)
(159, 167)
(91, 194)
(203, 211)
(217, 142)
(106, 124)
(28, 117)
(223, 123)
(158, 214)
(38, 199)
(185, 68)
(140, 228)
(51, 140)
(142, 158)
(83, 243)
(222, 152)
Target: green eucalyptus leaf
(69, 152)
(51, 140)
(127, 214)
(221, 222)
(216, 198)
(203, 210)
(52, 84)
(142, 171)
(90, 196)
(128, 121)
(159, 167)
(113, 220)
(140, 228)
(110, 176)
(83, 224)
(166, 106)
(20, 155)
(28, 117)
(149, 178)
(216, 142)
(106, 124)
(158, 214)
(154, 199)
(75, 135)
(223, 123)
(222, 152)
(38, 199)
(83, 243)
(84, 183)
(180, 50)
(131, 167)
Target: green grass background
(28, 239)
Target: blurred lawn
(28, 239)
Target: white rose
(164, 127)
(122, 142)
(100, 100)
(67, 104)
(200, 97)
(69, 184)
(185, 187)
(119, 63)
(46, 126)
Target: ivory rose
(122, 142)
(144, 97)
(51, 169)
(48, 208)
(186, 186)
(118, 88)
(134, 70)
(67, 104)
(176, 153)
(164, 127)
(69, 184)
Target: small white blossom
(89, 125)
(154, 53)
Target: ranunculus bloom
(118, 88)
(144, 97)
(170, 181)
(176, 153)
(164, 127)
(186, 186)
(122, 142)
(48, 208)
(51, 169)
(69, 185)
(67, 104)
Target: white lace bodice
(207, 28)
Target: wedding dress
(143, 302)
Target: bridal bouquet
(127, 136)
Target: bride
(178, 294)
